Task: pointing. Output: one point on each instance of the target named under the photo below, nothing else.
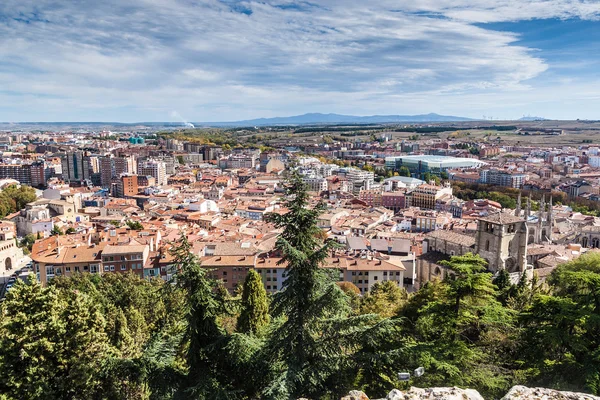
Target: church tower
(502, 240)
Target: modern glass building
(433, 164)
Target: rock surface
(356, 395)
(526, 393)
(454, 393)
(446, 393)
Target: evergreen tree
(459, 327)
(560, 341)
(255, 307)
(52, 344)
(204, 336)
(315, 350)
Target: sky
(228, 60)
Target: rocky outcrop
(445, 393)
(526, 393)
(356, 395)
(454, 393)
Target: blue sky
(211, 60)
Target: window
(93, 269)
(384, 274)
(224, 273)
(58, 271)
(67, 269)
(49, 270)
(86, 268)
(123, 267)
(487, 245)
(375, 278)
(122, 258)
(353, 273)
(397, 273)
(112, 267)
(77, 269)
(106, 268)
(360, 281)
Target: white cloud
(214, 60)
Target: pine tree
(52, 344)
(458, 328)
(314, 352)
(255, 307)
(203, 335)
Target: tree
(384, 299)
(70, 230)
(204, 335)
(52, 344)
(135, 225)
(560, 340)
(460, 328)
(27, 242)
(180, 159)
(255, 307)
(56, 231)
(316, 349)
(14, 198)
(404, 171)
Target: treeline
(507, 197)
(121, 337)
(356, 129)
(439, 129)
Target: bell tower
(502, 240)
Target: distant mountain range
(318, 118)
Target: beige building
(10, 253)
(425, 196)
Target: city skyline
(228, 60)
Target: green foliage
(135, 225)
(70, 231)
(428, 177)
(560, 340)
(56, 231)
(52, 344)
(27, 242)
(404, 171)
(255, 307)
(318, 347)
(204, 336)
(180, 160)
(14, 198)
(384, 299)
(460, 329)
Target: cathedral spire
(518, 209)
